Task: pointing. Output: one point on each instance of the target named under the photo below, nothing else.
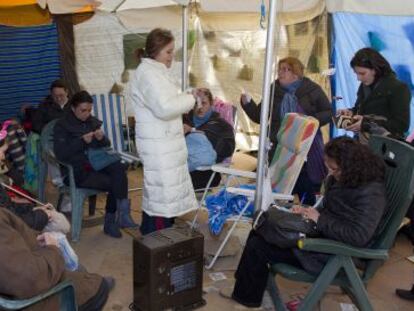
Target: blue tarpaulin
(29, 62)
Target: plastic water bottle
(69, 255)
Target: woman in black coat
(292, 92)
(74, 134)
(382, 99)
(350, 212)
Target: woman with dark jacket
(295, 93)
(350, 212)
(220, 134)
(382, 99)
(74, 134)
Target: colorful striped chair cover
(295, 138)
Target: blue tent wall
(392, 36)
(29, 62)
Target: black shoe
(405, 294)
(111, 226)
(110, 282)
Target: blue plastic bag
(223, 205)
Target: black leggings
(253, 270)
(112, 179)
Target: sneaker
(110, 282)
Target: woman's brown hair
(157, 39)
(294, 64)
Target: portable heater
(168, 270)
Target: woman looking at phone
(381, 97)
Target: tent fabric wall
(392, 36)
(29, 62)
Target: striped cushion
(295, 138)
(110, 108)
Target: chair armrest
(337, 248)
(65, 286)
(231, 171)
(250, 193)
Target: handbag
(102, 157)
(282, 228)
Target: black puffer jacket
(48, 110)
(69, 146)
(311, 98)
(349, 215)
(389, 98)
(219, 133)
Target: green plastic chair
(64, 290)
(340, 270)
(77, 195)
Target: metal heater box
(168, 270)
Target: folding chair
(111, 110)
(64, 290)
(228, 112)
(340, 270)
(295, 138)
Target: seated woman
(74, 134)
(220, 134)
(32, 264)
(350, 212)
(38, 218)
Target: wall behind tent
(392, 36)
(29, 62)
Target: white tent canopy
(383, 7)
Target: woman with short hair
(74, 135)
(293, 92)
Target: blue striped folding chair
(110, 109)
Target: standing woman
(380, 94)
(159, 104)
(293, 92)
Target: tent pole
(264, 113)
(184, 68)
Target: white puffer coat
(159, 105)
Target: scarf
(198, 121)
(290, 101)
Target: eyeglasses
(283, 69)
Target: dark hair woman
(382, 99)
(350, 212)
(159, 105)
(74, 134)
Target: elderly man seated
(204, 120)
(32, 264)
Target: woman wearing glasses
(382, 100)
(293, 92)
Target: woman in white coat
(158, 105)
